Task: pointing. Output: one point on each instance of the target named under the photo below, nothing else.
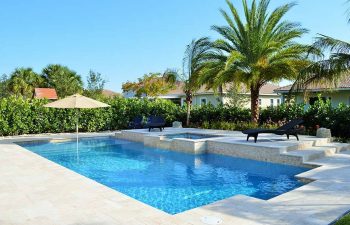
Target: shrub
(236, 126)
(284, 112)
(23, 116)
(219, 113)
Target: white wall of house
(269, 100)
(210, 98)
(265, 100)
(200, 99)
(336, 97)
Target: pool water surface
(170, 181)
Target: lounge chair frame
(289, 129)
(155, 122)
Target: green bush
(21, 116)
(284, 112)
(236, 126)
(219, 113)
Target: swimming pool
(170, 181)
(192, 136)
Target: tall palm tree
(23, 81)
(256, 49)
(193, 63)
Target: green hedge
(21, 116)
(321, 114)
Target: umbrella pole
(77, 132)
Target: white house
(340, 94)
(203, 96)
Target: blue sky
(125, 39)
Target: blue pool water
(170, 181)
(190, 136)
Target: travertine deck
(34, 190)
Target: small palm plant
(325, 71)
(193, 63)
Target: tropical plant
(331, 63)
(325, 71)
(151, 85)
(193, 63)
(23, 81)
(256, 49)
(65, 81)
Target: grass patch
(344, 221)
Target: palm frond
(334, 45)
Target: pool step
(300, 145)
(340, 147)
(307, 144)
(312, 153)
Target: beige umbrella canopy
(76, 101)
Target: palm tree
(256, 49)
(323, 71)
(65, 81)
(23, 81)
(193, 63)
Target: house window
(203, 101)
(271, 102)
(278, 101)
(260, 102)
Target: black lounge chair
(136, 123)
(290, 128)
(155, 122)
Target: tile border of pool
(319, 202)
(226, 144)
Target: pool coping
(229, 143)
(319, 202)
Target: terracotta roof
(343, 84)
(265, 90)
(109, 93)
(45, 93)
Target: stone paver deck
(34, 190)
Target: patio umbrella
(76, 101)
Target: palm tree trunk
(188, 113)
(254, 103)
(188, 103)
(221, 93)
